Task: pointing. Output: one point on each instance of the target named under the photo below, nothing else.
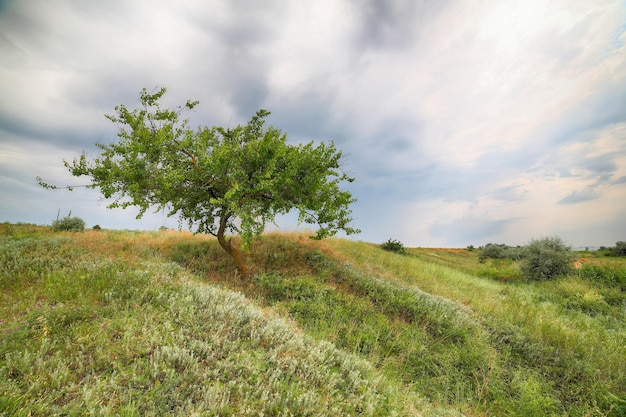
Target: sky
(464, 122)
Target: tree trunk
(235, 253)
(240, 260)
(227, 245)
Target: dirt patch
(580, 262)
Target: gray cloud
(580, 196)
(620, 180)
(385, 24)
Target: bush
(619, 249)
(72, 224)
(492, 251)
(394, 246)
(500, 251)
(546, 258)
(516, 253)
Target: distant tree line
(618, 250)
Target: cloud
(580, 196)
(620, 180)
(471, 229)
(485, 119)
(514, 192)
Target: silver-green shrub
(72, 224)
(547, 258)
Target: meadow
(106, 322)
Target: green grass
(129, 323)
(561, 343)
(83, 334)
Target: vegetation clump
(547, 258)
(619, 249)
(491, 251)
(393, 245)
(70, 224)
(500, 251)
(613, 274)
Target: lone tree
(219, 181)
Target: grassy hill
(156, 323)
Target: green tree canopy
(218, 180)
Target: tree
(217, 180)
(619, 249)
(546, 258)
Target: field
(156, 323)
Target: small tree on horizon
(217, 180)
(393, 245)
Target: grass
(121, 332)
(156, 323)
(562, 343)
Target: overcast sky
(463, 121)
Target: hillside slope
(130, 323)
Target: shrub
(491, 250)
(394, 246)
(500, 251)
(516, 253)
(72, 224)
(619, 249)
(547, 258)
(97, 227)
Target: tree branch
(41, 182)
